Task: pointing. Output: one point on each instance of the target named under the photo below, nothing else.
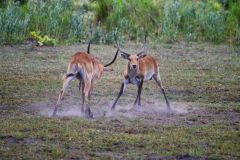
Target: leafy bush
(42, 40)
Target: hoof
(82, 110)
(89, 116)
(169, 108)
(137, 107)
(54, 114)
(88, 113)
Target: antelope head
(133, 58)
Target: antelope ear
(125, 56)
(141, 56)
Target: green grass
(75, 138)
(202, 74)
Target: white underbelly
(133, 80)
(148, 76)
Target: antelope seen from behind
(87, 69)
(140, 68)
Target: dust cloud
(121, 111)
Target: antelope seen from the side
(87, 69)
(140, 68)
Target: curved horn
(144, 48)
(115, 57)
(119, 46)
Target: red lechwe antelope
(87, 69)
(141, 67)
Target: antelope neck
(132, 75)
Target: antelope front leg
(138, 98)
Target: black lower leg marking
(55, 111)
(83, 98)
(138, 98)
(88, 112)
(163, 91)
(59, 99)
(119, 94)
(79, 85)
(140, 92)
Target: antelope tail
(78, 71)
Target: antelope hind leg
(123, 86)
(159, 83)
(65, 85)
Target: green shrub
(42, 40)
(235, 10)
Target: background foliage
(70, 21)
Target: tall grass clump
(190, 21)
(129, 17)
(201, 20)
(50, 17)
(109, 17)
(215, 27)
(233, 21)
(57, 19)
(13, 23)
(76, 29)
(71, 21)
(170, 21)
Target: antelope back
(91, 66)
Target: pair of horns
(143, 50)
